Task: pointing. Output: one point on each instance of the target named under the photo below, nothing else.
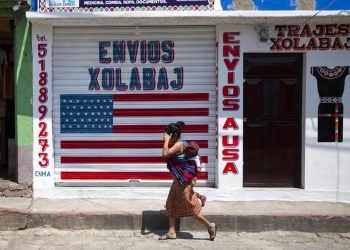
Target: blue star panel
(86, 113)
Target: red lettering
(306, 32)
(287, 43)
(293, 30)
(226, 143)
(231, 77)
(312, 44)
(42, 109)
(297, 43)
(230, 123)
(276, 44)
(280, 29)
(230, 154)
(229, 37)
(330, 29)
(324, 43)
(230, 167)
(230, 104)
(231, 65)
(44, 161)
(231, 91)
(344, 29)
(228, 50)
(337, 44)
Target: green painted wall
(23, 81)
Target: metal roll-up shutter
(115, 88)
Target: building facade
(263, 93)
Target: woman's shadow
(156, 222)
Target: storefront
(264, 95)
(288, 98)
(15, 92)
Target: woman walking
(182, 201)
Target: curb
(150, 221)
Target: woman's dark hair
(174, 128)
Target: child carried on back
(191, 151)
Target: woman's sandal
(167, 236)
(212, 231)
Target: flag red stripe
(121, 144)
(117, 160)
(161, 97)
(191, 128)
(161, 112)
(123, 176)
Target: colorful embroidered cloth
(183, 169)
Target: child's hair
(191, 149)
(174, 128)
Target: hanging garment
(330, 85)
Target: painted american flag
(100, 114)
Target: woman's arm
(176, 148)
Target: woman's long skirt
(182, 201)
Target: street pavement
(136, 224)
(49, 238)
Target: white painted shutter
(129, 152)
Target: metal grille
(114, 90)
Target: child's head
(191, 149)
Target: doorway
(272, 120)
(7, 109)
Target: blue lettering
(118, 81)
(149, 80)
(94, 82)
(168, 48)
(119, 51)
(132, 48)
(162, 79)
(103, 52)
(135, 79)
(153, 51)
(108, 78)
(143, 51)
(178, 84)
(42, 174)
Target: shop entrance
(272, 120)
(7, 111)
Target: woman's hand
(166, 137)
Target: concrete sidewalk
(149, 215)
